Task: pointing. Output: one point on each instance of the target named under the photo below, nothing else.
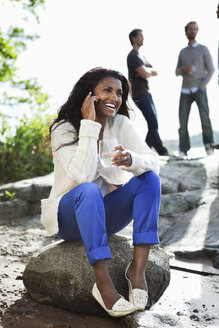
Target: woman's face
(109, 93)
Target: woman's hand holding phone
(88, 107)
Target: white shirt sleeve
(78, 159)
(143, 158)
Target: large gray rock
(27, 195)
(30, 190)
(175, 203)
(60, 274)
(188, 221)
(189, 174)
(14, 209)
(170, 186)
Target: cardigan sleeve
(79, 160)
(143, 158)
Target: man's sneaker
(209, 149)
(183, 155)
(165, 153)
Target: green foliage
(12, 43)
(8, 57)
(30, 5)
(10, 195)
(22, 154)
(30, 93)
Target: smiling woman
(109, 98)
(90, 200)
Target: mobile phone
(96, 101)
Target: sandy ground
(191, 300)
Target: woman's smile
(111, 107)
(109, 93)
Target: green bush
(22, 154)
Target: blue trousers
(85, 214)
(186, 100)
(146, 105)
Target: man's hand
(145, 72)
(188, 69)
(153, 72)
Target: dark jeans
(146, 105)
(186, 100)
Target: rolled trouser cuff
(145, 238)
(98, 254)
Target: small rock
(179, 313)
(5, 275)
(194, 317)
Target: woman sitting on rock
(96, 194)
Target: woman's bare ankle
(105, 285)
(109, 294)
(137, 276)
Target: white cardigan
(79, 162)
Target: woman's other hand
(121, 157)
(88, 107)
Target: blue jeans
(186, 100)
(85, 214)
(146, 105)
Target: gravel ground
(191, 300)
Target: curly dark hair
(70, 111)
